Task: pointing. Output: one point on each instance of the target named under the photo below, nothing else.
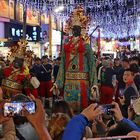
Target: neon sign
(30, 36)
(15, 32)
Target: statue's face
(76, 30)
(18, 62)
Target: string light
(116, 18)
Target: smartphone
(121, 92)
(16, 108)
(107, 109)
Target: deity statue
(16, 76)
(77, 71)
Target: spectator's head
(54, 61)
(62, 107)
(125, 63)
(128, 76)
(61, 114)
(44, 59)
(116, 62)
(134, 60)
(57, 124)
(19, 120)
(134, 68)
(106, 62)
(37, 61)
(58, 60)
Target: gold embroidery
(79, 94)
(77, 75)
(11, 84)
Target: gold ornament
(77, 17)
(20, 51)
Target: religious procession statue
(77, 71)
(16, 76)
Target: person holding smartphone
(76, 127)
(7, 123)
(37, 120)
(130, 90)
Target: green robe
(71, 83)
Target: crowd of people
(88, 97)
(118, 82)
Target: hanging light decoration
(116, 18)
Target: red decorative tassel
(83, 94)
(69, 47)
(81, 50)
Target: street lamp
(59, 10)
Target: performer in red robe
(16, 76)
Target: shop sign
(32, 17)
(4, 10)
(19, 12)
(44, 19)
(45, 33)
(56, 37)
(2, 44)
(2, 35)
(30, 36)
(11, 9)
(16, 32)
(6, 43)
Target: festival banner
(4, 9)
(11, 7)
(45, 33)
(43, 18)
(19, 12)
(32, 17)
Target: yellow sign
(4, 11)
(32, 17)
(19, 12)
(11, 7)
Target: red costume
(16, 80)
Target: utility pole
(50, 35)
(62, 34)
(24, 18)
(92, 34)
(99, 44)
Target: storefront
(56, 45)
(4, 49)
(44, 39)
(14, 32)
(3, 41)
(35, 47)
